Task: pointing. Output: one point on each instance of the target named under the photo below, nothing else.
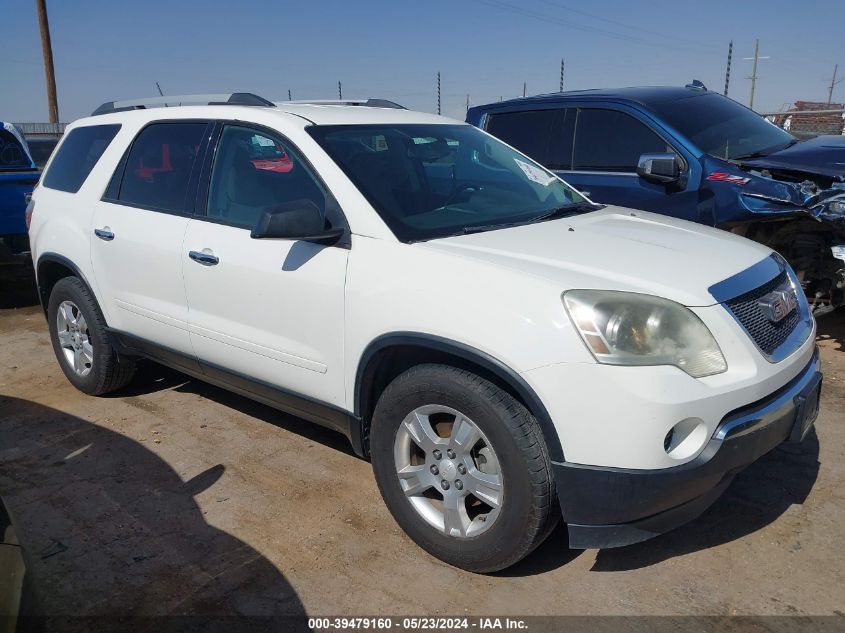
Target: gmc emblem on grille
(778, 304)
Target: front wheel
(463, 468)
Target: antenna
(159, 89)
(561, 76)
(728, 69)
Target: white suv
(504, 351)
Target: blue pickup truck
(697, 155)
(18, 176)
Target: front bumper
(611, 507)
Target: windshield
(723, 128)
(430, 181)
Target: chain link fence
(810, 123)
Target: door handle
(104, 234)
(205, 259)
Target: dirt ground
(175, 497)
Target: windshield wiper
(559, 212)
(566, 210)
(765, 152)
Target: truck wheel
(80, 341)
(463, 468)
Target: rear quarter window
(77, 155)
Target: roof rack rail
(367, 103)
(232, 98)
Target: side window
(529, 132)
(254, 172)
(78, 153)
(607, 140)
(158, 168)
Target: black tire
(529, 510)
(108, 371)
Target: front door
(270, 310)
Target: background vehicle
(696, 155)
(399, 277)
(18, 176)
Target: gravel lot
(175, 497)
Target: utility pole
(339, 91)
(833, 83)
(523, 88)
(49, 71)
(728, 69)
(753, 76)
(438, 92)
(561, 76)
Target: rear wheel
(80, 341)
(462, 467)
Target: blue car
(18, 176)
(697, 155)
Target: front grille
(767, 335)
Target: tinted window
(41, 149)
(429, 181)
(79, 152)
(159, 166)
(255, 172)
(11, 152)
(607, 140)
(721, 127)
(529, 132)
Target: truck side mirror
(659, 168)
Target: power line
(546, 18)
(662, 34)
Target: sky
(108, 50)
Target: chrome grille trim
(775, 341)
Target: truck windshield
(429, 181)
(723, 128)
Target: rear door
(266, 310)
(138, 229)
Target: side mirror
(297, 220)
(660, 168)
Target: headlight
(625, 328)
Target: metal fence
(809, 123)
(41, 129)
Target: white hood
(617, 249)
